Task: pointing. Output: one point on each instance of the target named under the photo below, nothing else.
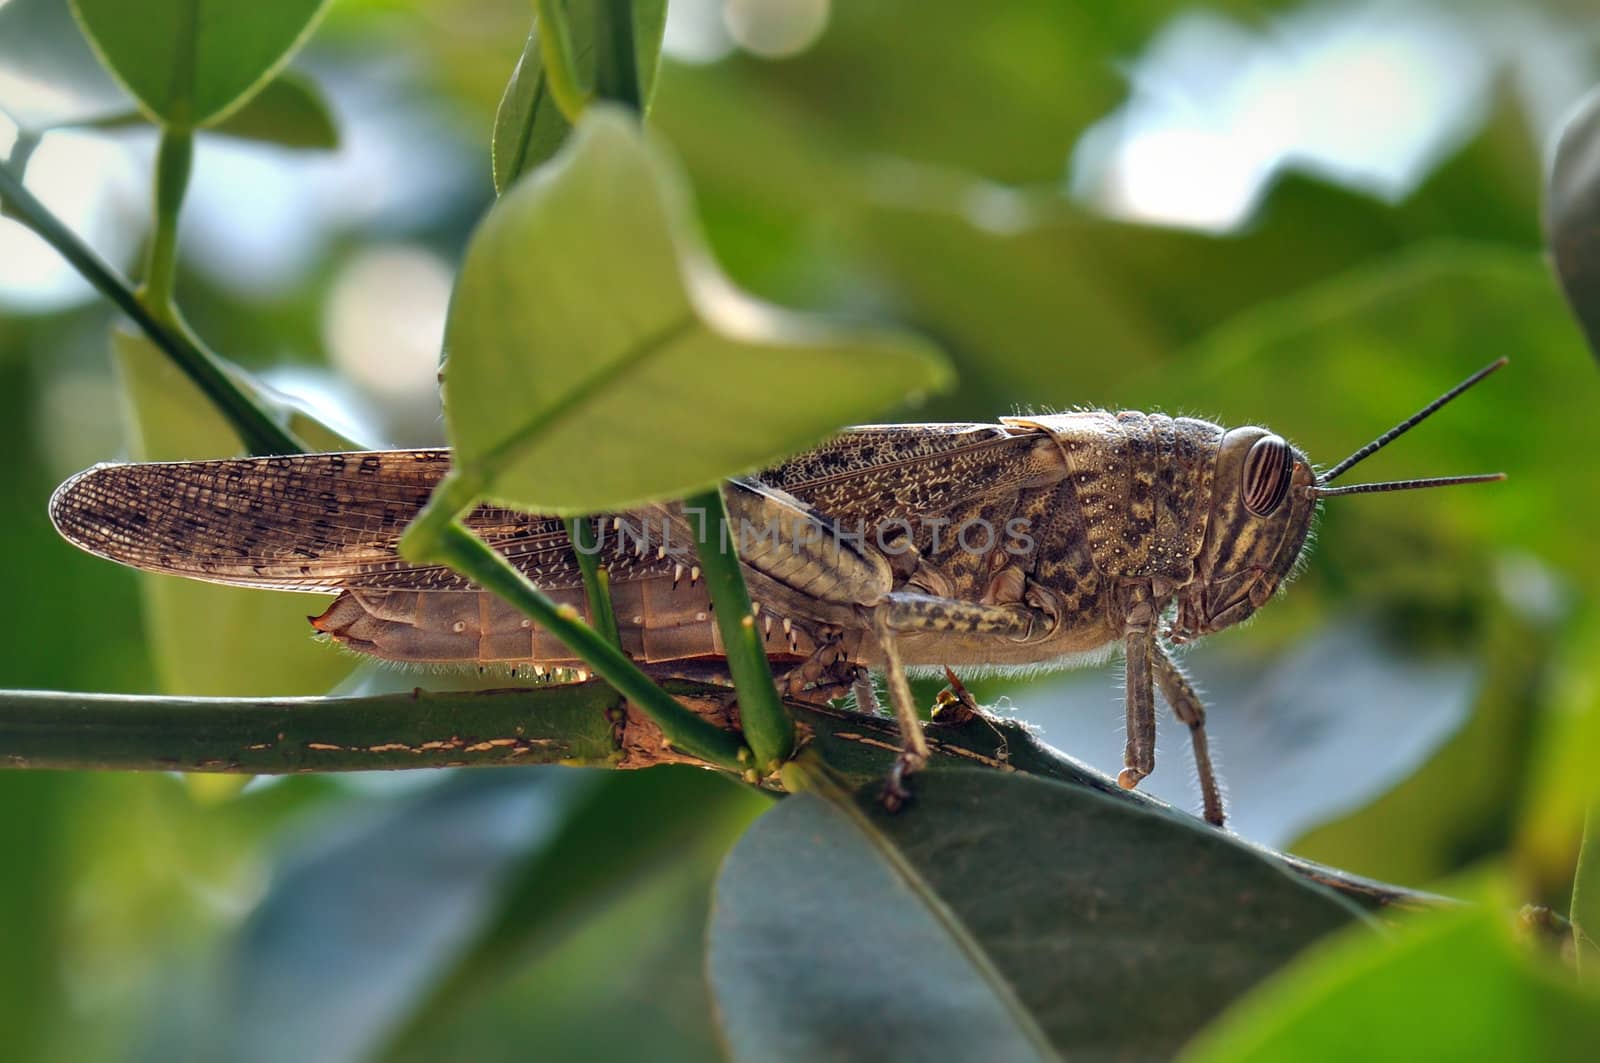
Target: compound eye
(1267, 469)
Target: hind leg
(903, 613)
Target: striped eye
(1266, 475)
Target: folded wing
(311, 522)
(332, 522)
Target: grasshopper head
(1264, 498)
(1263, 502)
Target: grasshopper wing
(309, 522)
(332, 522)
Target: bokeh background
(1312, 215)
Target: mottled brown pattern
(880, 472)
(1142, 484)
(1065, 563)
(1104, 498)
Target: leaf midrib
(497, 457)
(969, 945)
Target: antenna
(1408, 485)
(1401, 429)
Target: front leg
(1149, 665)
(1139, 755)
(1138, 621)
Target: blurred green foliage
(864, 175)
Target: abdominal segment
(657, 621)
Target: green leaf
(1012, 277)
(208, 639)
(622, 984)
(190, 62)
(290, 112)
(822, 947)
(360, 920)
(35, 895)
(996, 917)
(1586, 898)
(1450, 985)
(383, 937)
(597, 359)
(620, 833)
(529, 128)
(1557, 805)
(1572, 214)
(628, 79)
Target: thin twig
(596, 580)
(261, 433)
(767, 726)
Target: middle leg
(1188, 708)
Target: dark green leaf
(623, 984)
(289, 112)
(628, 875)
(385, 934)
(189, 62)
(822, 946)
(587, 321)
(361, 919)
(624, 828)
(994, 907)
(528, 127)
(1572, 215)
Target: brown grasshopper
(1035, 542)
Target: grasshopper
(1034, 542)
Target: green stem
(464, 552)
(616, 58)
(560, 68)
(282, 736)
(259, 430)
(767, 724)
(596, 580)
(566, 723)
(174, 161)
(22, 150)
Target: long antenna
(1408, 485)
(1401, 429)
